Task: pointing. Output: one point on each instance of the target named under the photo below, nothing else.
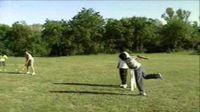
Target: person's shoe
(124, 86)
(143, 94)
(33, 73)
(160, 76)
(27, 72)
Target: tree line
(89, 33)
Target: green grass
(90, 84)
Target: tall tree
(127, 33)
(113, 37)
(177, 29)
(87, 29)
(19, 38)
(169, 14)
(4, 30)
(39, 46)
(53, 34)
(195, 39)
(144, 30)
(152, 37)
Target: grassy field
(91, 84)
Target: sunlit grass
(90, 84)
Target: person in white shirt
(3, 59)
(123, 69)
(29, 62)
(138, 70)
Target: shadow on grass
(9, 72)
(86, 84)
(92, 92)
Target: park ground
(90, 83)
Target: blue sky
(38, 11)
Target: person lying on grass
(138, 70)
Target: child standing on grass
(29, 62)
(138, 70)
(3, 59)
(123, 70)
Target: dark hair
(123, 56)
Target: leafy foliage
(89, 33)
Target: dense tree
(128, 33)
(177, 30)
(113, 37)
(55, 34)
(19, 38)
(4, 30)
(152, 37)
(195, 38)
(144, 33)
(87, 29)
(168, 15)
(88, 33)
(39, 46)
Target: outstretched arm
(142, 57)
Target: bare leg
(27, 69)
(33, 70)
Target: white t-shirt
(122, 64)
(127, 54)
(30, 57)
(133, 63)
(3, 58)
